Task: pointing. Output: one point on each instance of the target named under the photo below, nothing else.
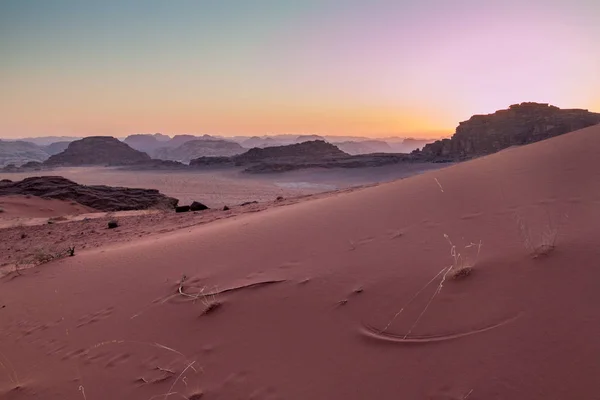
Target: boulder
(197, 206)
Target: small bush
(113, 223)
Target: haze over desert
(286, 201)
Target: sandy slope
(16, 208)
(336, 271)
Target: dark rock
(112, 224)
(225, 208)
(519, 125)
(279, 198)
(211, 162)
(97, 150)
(99, 197)
(197, 206)
(182, 209)
(311, 150)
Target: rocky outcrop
(19, 152)
(97, 150)
(520, 124)
(102, 198)
(306, 151)
(193, 149)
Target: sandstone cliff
(520, 124)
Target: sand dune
(343, 297)
(19, 207)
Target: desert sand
(22, 206)
(229, 186)
(350, 295)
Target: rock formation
(99, 197)
(520, 124)
(97, 150)
(313, 150)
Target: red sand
(110, 323)
(37, 207)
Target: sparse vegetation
(209, 299)
(543, 242)
(41, 256)
(463, 262)
(113, 223)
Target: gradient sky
(345, 67)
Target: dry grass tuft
(464, 261)
(542, 243)
(208, 298)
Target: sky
(252, 67)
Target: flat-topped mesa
(97, 150)
(518, 125)
(311, 150)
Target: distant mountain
(47, 140)
(55, 148)
(364, 147)
(308, 138)
(97, 150)
(178, 140)
(409, 144)
(19, 152)
(518, 125)
(204, 147)
(146, 142)
(259, 142)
